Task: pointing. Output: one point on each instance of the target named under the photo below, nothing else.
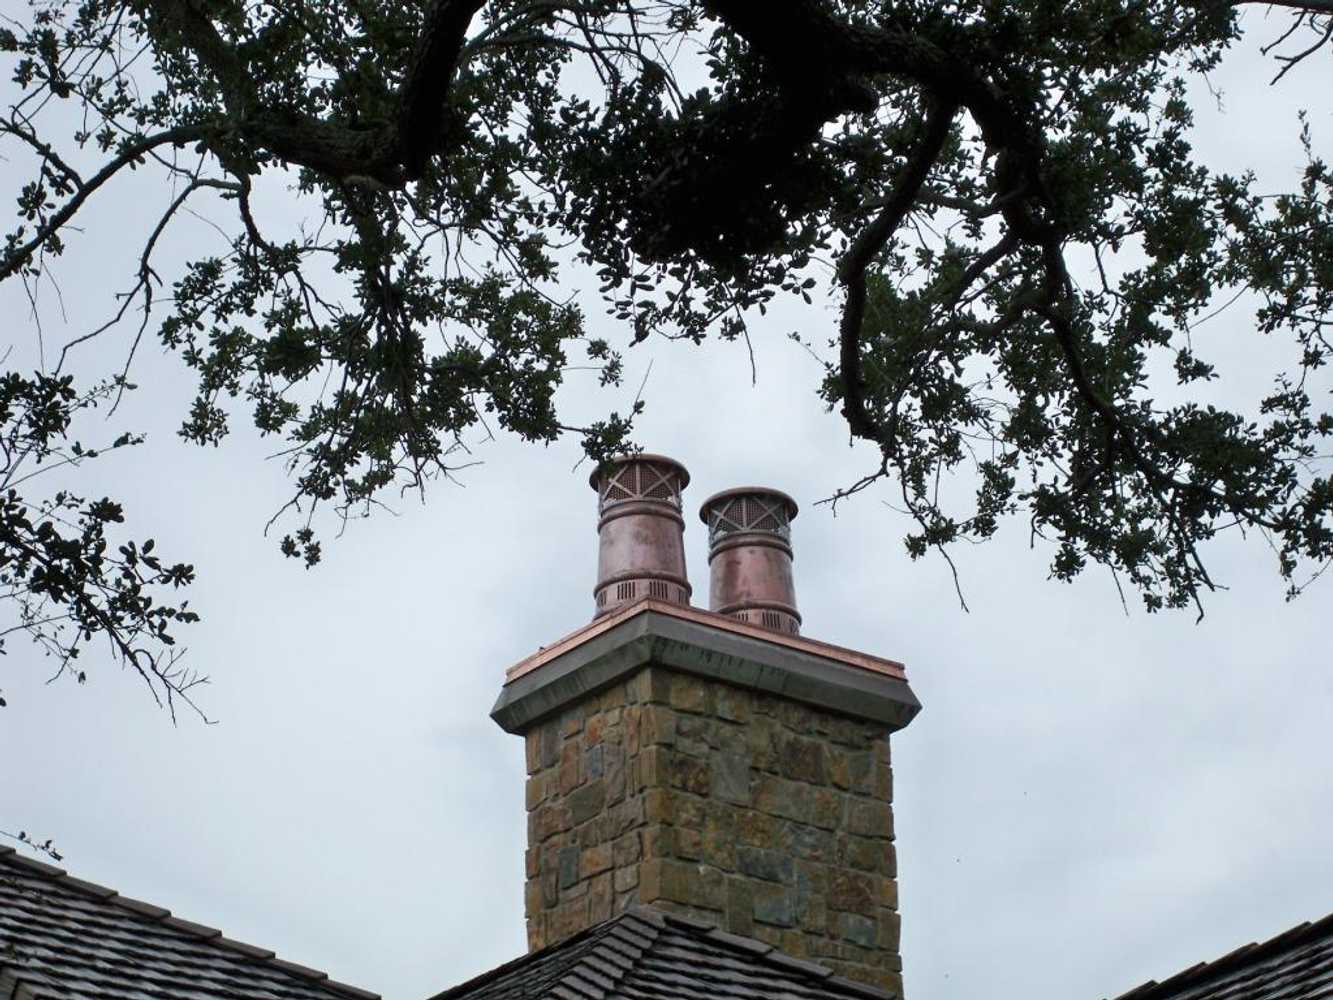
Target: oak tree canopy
(1000, 194)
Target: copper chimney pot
(749, 557)
(640, 528)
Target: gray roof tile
(645, 954)
(65, 939)
(1295, 965)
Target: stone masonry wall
(764, 816)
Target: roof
(1295, 965)
(646, 954)
(62, 938)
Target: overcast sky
(1088, 799)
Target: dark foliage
(947, 159)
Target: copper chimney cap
(640, 544)
(750, 557)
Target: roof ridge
(1246, 954)
(159, 915)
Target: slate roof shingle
(65, 939)
(646, 954)
(1295, 965)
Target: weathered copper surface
(849, 657)
(750, 557)
(640, 548)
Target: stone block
(852, 892)
(594, 729)
(627, 849)
(626, 879)
(768, 865)
(532, 750)
(719, 838)
(861, 853)
(532, 896)
(594, 761)
(688, 693)
(599, 898)
(568, 861)
(623, 817)
(890, 930)
(613, 697)
(869, 818)
(740, 907)
(783, 798)
(774, 905)
(827, 808)
(567, 919)
(859, 930)
(802, 760)
(884, 782)
(658, 806)
(547, 820)
(571, 721)
(569, 767)
(839, 769)
(762, 733)
(614, 762)
(731, 778)
(689, 812)
(808, 842)
(888, 893)
(757, 829)
(587, 802)
(535, 791)
(689, 844)
(595, 860)
(536, 932)
(690, 774)
(811, 905)
(682, 882)
(862, 766)
(733, 704)
(657, 726)
(550, 740)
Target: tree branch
(15, 258)
(852, 268)
(423, 96)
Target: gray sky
(1088, 799)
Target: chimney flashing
(707, 645)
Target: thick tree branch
(424, 95)
(862, 252)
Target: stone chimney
(710, 763)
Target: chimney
(749, 557)
(712, 764)
(640, 551)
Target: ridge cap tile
(91, 888)
(190, 927)
(150, 910)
